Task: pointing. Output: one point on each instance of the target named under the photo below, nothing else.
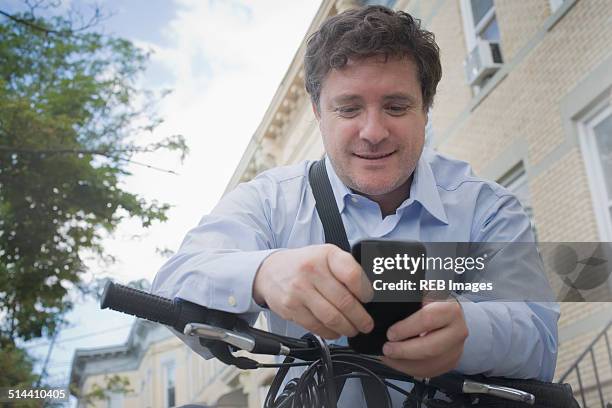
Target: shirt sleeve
(216, 264)
(515, 339)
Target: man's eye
(397, 110)
(347, 111)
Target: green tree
(16, 372)
(72, 115)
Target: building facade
(526, 99)
(161, 372)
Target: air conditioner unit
(482, 61)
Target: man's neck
(390, 201)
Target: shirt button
(231, 300)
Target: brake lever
(512, 394)
(217, 333)
(236, 339)
(457, 384)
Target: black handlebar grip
(140, 304)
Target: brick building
(526, 98)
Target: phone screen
(387, 307)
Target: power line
(60, 364)
(106, 153)
(82, 336)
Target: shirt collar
(424, 188)
(340, 190)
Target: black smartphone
(390, 266)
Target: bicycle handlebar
(175, 313)
(216, 329)
(223, 332)
(141, 304)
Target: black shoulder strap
(327, 207)
(336, 234)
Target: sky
(223, 60)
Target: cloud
(224, 61)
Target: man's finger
(426, 368)
(329, 315)
(427, 347)
(337, 294)
(431, 317)
(344, 267)
(309, 322)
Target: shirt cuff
(479, 343)
(231, 289)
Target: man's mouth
(373, 156)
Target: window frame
(592, 161)
(149, 387)
(166, 366)
(472, 30)
(555, 5)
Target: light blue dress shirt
(217, 262)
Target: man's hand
(318, 287)
(429, 342)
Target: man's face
(373, 123)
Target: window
(555, 4)
(482, 39)
(516, 181)
(596, 141)
(479, 21)
(170, 384)
(115, 400)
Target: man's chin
(373, 189)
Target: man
(371, 74)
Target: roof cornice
(290, 90)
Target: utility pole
(44, 367)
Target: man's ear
(315, 110)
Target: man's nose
(373, 128)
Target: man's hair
(367, 32)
